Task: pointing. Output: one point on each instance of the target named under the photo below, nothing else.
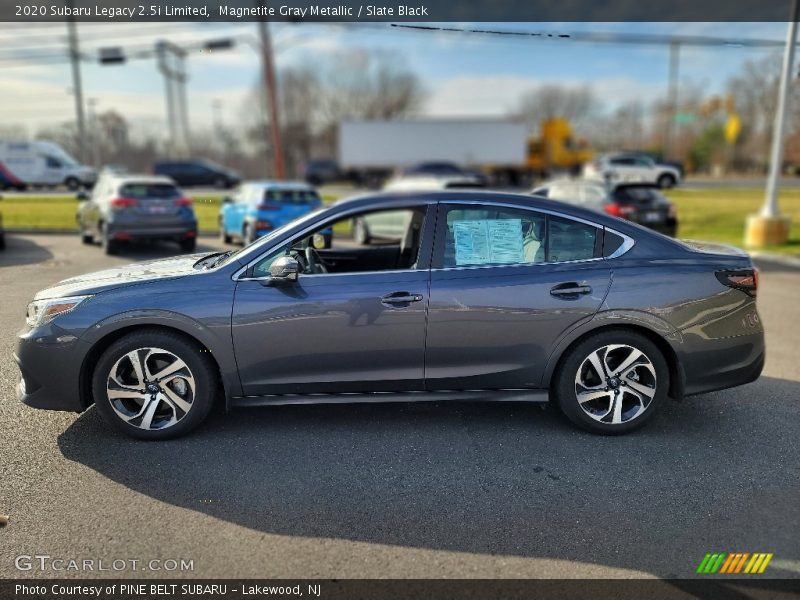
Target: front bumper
(50, 365)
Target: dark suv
(197, 172)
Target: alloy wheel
(615, 384)
(151, 388)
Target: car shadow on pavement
(490, 478)
(153, 250)
(22, 251)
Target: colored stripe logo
(734, 563)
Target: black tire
(86, 237)
(2, 241)
(223, 237)
(565, 389)
(221, 183)
(666, 181)
(200, 367)
(110, 246)
(361, 232)
(188, 245)
(72, 184)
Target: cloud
(498, 95)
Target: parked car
(487, 296)
(190, 173)
(320, 171)
(637, 202)
(660, 160)
(618, 168)
(131, 208)
(40, 163)
(2, 233)
(443, 169)
(259, 207)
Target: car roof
(126, 178)
(267, 184)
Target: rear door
(506, 284)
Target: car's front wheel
(154, 385)
(666, 181)
(612, 382)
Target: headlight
(44, 311)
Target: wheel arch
(102, 342)
(663, 340)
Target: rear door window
(475, 237)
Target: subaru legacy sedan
(486, 296)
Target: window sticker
(483, 242)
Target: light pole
(77, 86)
(770, 227)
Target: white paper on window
(488, 242)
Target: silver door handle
(401, 299)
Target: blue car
(258, 207)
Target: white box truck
(41, 163)
(372, 150)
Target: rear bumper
(723, 363)
(141, 232)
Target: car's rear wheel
(154, 385)
(666, 181)
(223, 236)
(361, 233)
(248, 234)
(611, 382)
(109, 244)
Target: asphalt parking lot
(401, 490)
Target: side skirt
(353, 398)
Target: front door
(507, 283)
(358, 329)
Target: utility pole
(93, 126)
(672, 99)
(172, 65)
(274, 129)
(770, 227)
(77, 86)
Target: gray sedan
(485, 296)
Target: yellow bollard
(764, 231)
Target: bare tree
(316, 96)
(576, 104)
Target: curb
(777, 259)
(56, 231)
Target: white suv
(619, 168)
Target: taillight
(260, 225)
(740, 279)
(124, 202)
(183, 202)
(267, 207)
(620, 210)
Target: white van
(25, 163)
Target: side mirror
(81, 196)
(284, 269)
(227, 200)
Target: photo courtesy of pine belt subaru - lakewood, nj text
(478, 296)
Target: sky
(462, 74)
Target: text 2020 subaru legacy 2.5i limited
(484, 296)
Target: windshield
(262, 241)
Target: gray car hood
(99, 281)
